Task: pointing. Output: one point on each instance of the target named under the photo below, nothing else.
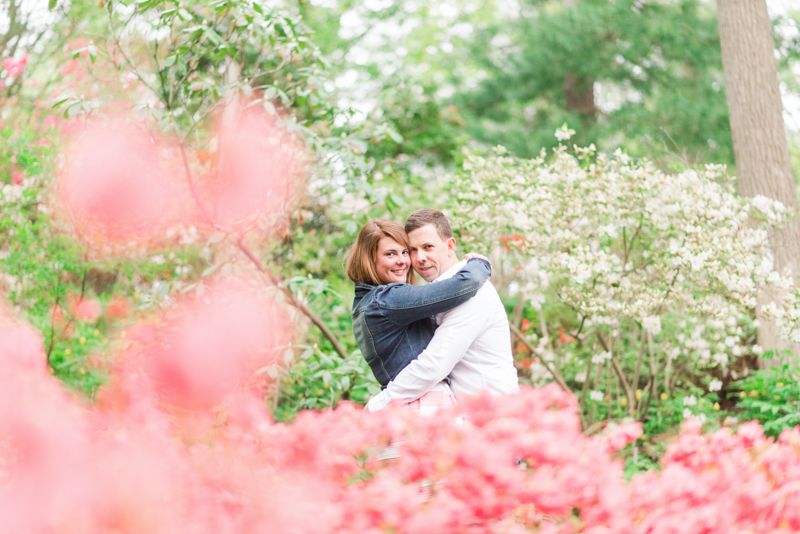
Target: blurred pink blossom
(83, 309)
(15, 66)
(117, 184)
(211, 346)
(256, 169)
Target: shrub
(636, 277)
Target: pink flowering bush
(158, 453)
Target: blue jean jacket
(393, 323)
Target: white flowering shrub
(657, 273)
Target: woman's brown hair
(364, 252)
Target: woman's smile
(392, 262)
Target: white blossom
(652, 324)
(598, 359)
(564, 133)
(715, 385)
(620, 241)
(596, 395)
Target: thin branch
(193, 189)
(653, 383)
(618, 369)
(297, 303)
(596, 426)
(586, 382)
(555, 374)
(637, 372)
(53, 318)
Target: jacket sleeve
(405, 303)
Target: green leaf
(60, 101)
(74, 109)
(51, 5)
(170, 61)
(210, 270)
(92, 53)
(398, 201)
(189, 288)
(396, 137)
(163, 291)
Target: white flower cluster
(619, 241)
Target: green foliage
(620, 72)
(319, 380)
(772, 397)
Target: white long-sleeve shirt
(472, 345)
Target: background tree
(759, 137)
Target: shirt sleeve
(406, 303)
(459, 329)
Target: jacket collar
(363, 289)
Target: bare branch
(555, 374)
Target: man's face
(430, 256)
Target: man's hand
(475, 255)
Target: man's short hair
(420, 218)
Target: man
(472, 343)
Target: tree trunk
(579, 91)
(579, 95)
(759, 138)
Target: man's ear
(451, 246)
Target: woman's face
(393, 261)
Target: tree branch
(297, 303)
(555, 374)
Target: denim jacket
(393, 323)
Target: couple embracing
(427, 345)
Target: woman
(392, 318)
